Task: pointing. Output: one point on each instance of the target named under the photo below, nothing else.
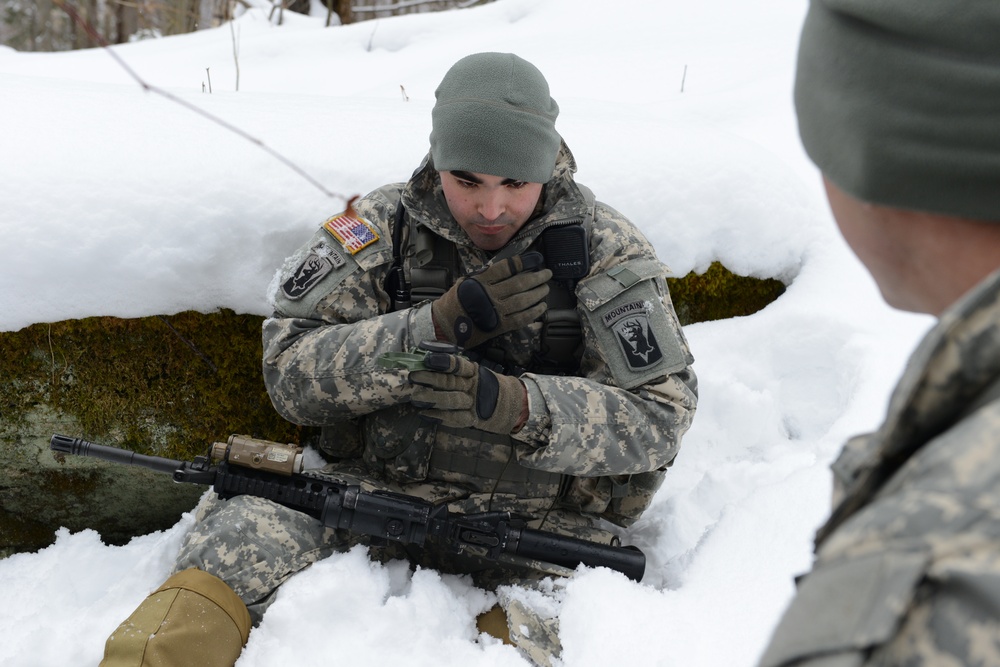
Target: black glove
(504, 297)
(460, 393)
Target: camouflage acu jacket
(908, 566)
(615, 421)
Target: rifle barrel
(570, 552)
(80, 447)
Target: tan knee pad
(194, 618)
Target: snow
(117, 201)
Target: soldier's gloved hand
(461, 393)
(504, 297)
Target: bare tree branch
(103, 43)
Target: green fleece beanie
(494, 116)
(899, 101)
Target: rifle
(271, 470)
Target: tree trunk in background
(300, 6)
(182, 17)
(87, 9)
(207, 14)
(126, 21)
(342, 8)
(41, 26)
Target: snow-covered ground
(117, 201)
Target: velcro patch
(353, 232)
(630, 322)
(317, 264)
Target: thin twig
(236, 53)
(209, 74)
(103, 43)
(190, 344)
(52, 356)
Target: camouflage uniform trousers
(255, 545)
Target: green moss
(719, 294)
(163, 385)
(20, 529)
(18, 533)
(169, 385)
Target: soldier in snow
(566, 405)
(899, 106)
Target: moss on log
(169, 386)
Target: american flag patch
(352, 232)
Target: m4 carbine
(248, 466)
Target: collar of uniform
(940, 383)
(954, 371)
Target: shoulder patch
(320, 261)
(352, 231)
(635, 336)
(634, 327)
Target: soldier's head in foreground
(494, 144)
(899, 106)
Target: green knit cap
(494, 116)
(899, 101)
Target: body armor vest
(434, 268)
(474, 459)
